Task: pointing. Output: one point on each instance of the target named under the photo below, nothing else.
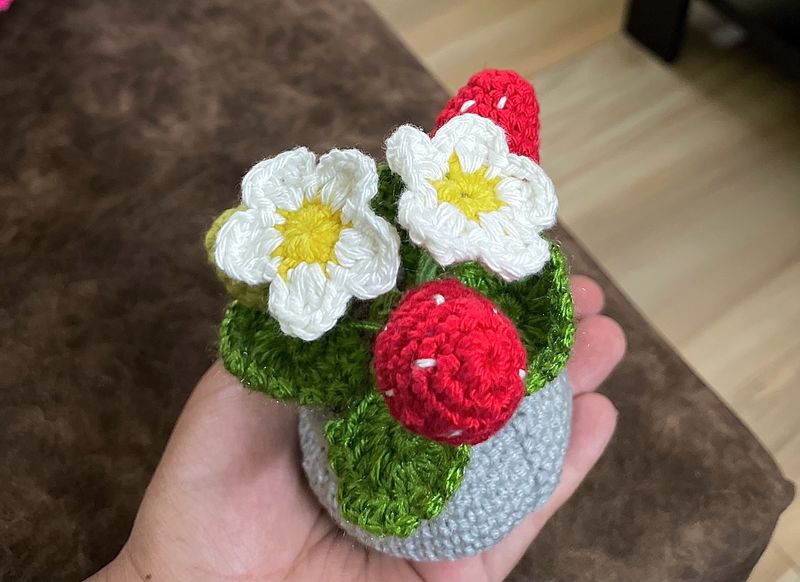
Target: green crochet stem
(329, 371)
(388, 478)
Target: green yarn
(427, 269)
(390, 186)
(388, 478)
(381, 308)
(540, 306)
(249, 295)
(329, 371)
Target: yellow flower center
(310, 234)
(472, 193)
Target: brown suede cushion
(125, 127)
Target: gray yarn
(508, 476)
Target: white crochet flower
(307, 229)
(468, 198)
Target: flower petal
(513, 260)
(412, 154)
(281, 181)
(244, 244)
(443, 230)
(347, 178)
(369, 257)
(500, 224)
(539, 187)
(513, 191)
(351, 248)
(476, 139)
(308, 304)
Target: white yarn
(505, 240)
(311, 299)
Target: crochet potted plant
(418, 315)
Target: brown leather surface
(124, 128)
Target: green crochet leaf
(329, 371)
(540, 306)
(388, 478)
(381, 308)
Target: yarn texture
(449, 364)
(307, 230)
(330, 371)
(508, 476)
(468, 198)
(505, 98)
(389, 480)
(541, 308)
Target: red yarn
(519, 115)
(448, 364)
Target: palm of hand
(229, 499)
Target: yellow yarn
(251, 296)
(472, 193)
(310, 234)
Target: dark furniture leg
(658, 25)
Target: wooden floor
(683, 181)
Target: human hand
(229, 499)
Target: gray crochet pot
(508, 476)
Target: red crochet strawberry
(450, 364)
